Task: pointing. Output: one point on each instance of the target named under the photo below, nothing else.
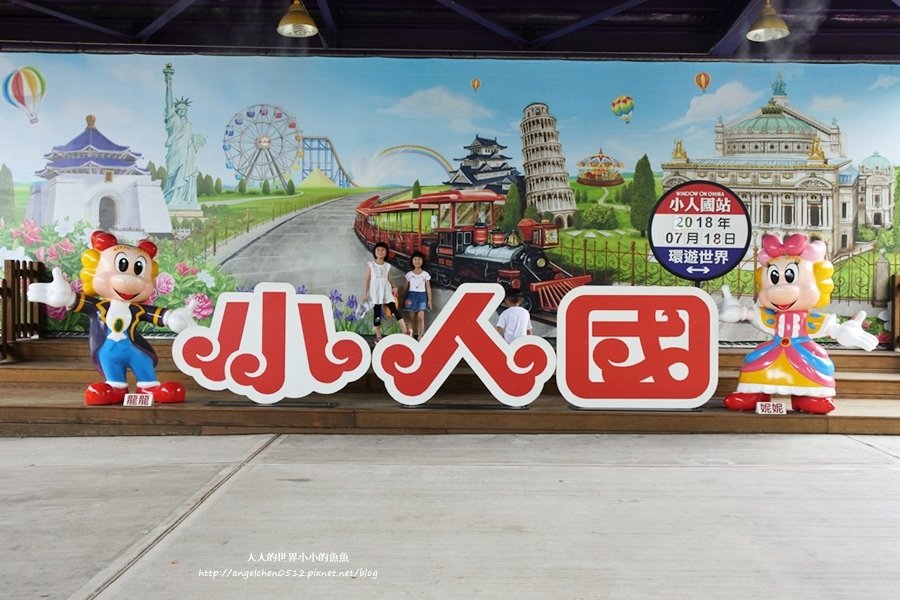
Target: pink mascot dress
(794, 279)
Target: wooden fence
(19, 318)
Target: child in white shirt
(515, 321)
(418, 296)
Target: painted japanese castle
(485, 167)
(791, 171)
(93, 179)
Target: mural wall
(247, 169)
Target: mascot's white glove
(851, 335)
(58, 293)
(731, 310)
(181, 318)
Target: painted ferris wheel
(262, 143)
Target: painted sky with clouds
(368, 104)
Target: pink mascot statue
(123, 277)
(794, 279)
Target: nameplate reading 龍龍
(138, 400)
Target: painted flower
(165, 283)
(30, 233)
(184, 269)
(57, 314)
(204, 306)
(65, 246)
(243, 288)
(338, 314)
(351, 317)
(17, 253)
(153, 296)
(335, 297)
(884, 337)
(301, 289)
(207, 279)
(64, 227)
(77, 285)
(867, 324)
(352, 302)
(86, 234)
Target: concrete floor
(458, 517)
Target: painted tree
(643, 195)
(266, 190)
(578, 219)
(201, 184)
(291, 189)
(512, 208)
(625, 196)
(532, 213)
(416, 189)
(600, 217)
(218, 185)
(7, 194)
(242, 186)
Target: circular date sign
(699, 230)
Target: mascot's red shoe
(169, 392)
(744, 401)
(811, 404)
(101, 393)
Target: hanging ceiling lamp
(297, 22)
(768, 26)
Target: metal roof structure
(821, 30)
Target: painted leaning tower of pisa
(547, 185)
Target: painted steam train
(455, 231)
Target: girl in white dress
(379, 290)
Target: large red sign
(637, 347)
(649, 348)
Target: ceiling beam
(736, 33)
(68, 18)
(485, 22)
(563, 31)
(163, 19)
(331, 28)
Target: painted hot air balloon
(475, 83)
(25, 88)
(622, 107)
(701, 80)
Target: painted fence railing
(632, 262)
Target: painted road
(318, 249)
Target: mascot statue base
(117, 281)
(794, 279)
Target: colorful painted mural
(306, 141)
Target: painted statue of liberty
(182, 145)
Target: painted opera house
(791, 171)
